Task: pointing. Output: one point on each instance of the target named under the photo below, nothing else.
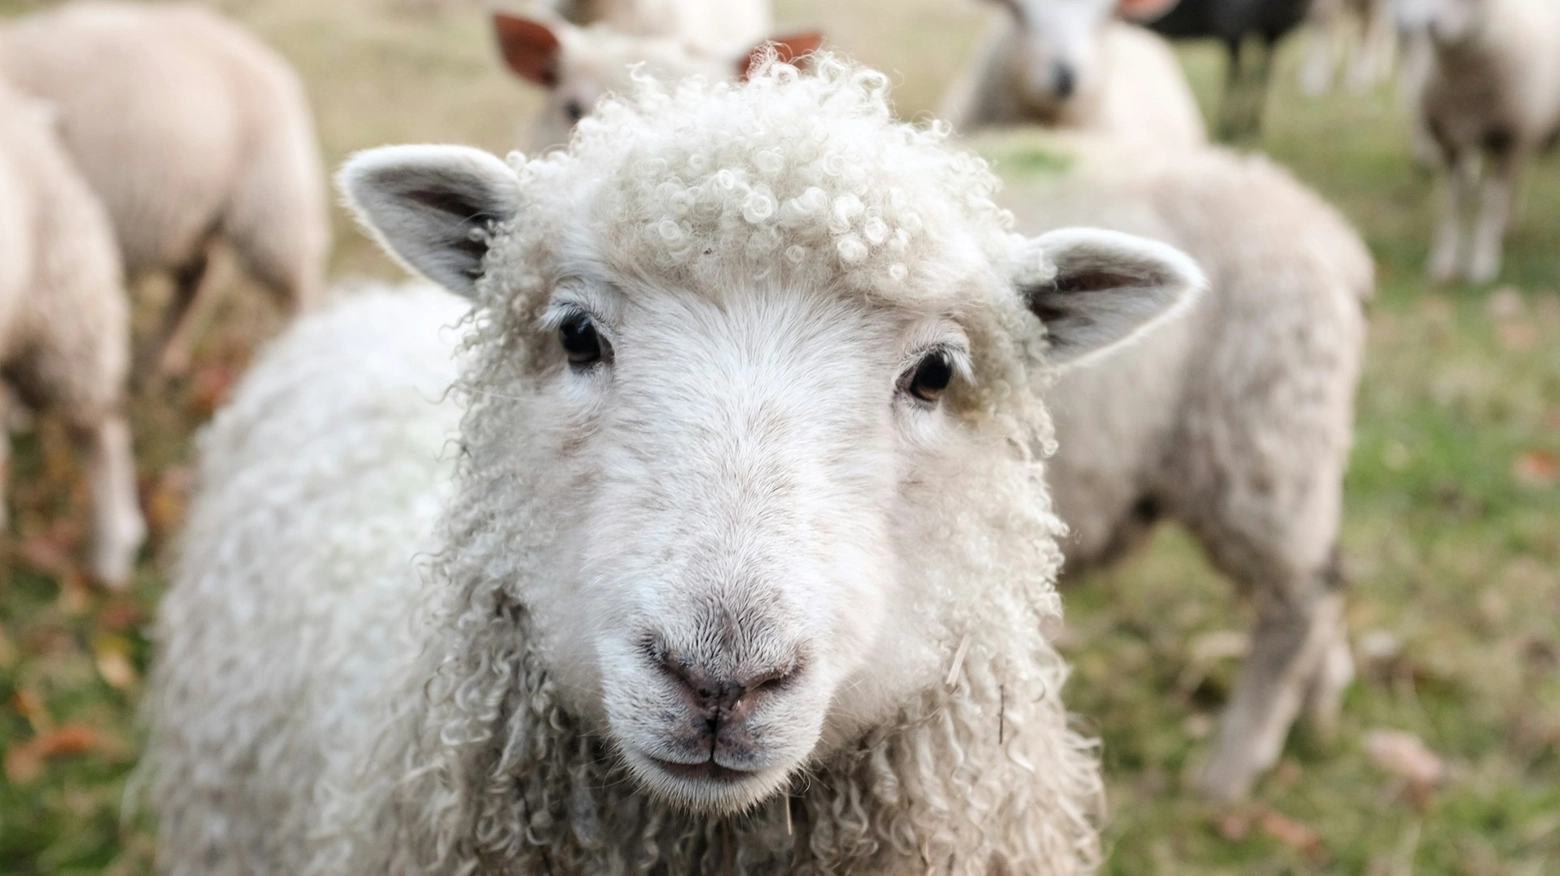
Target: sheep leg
(1293, 657)
(1229, 108)
(1495, 208)
(5, 454)
(1321, 41)
(1378, 40)
(173, 339)
(118, 528)
(1460, 172)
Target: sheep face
(744, 418)
(1057, 57)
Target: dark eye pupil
(574, 110)
(579, 339)
(932, 376)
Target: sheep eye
(931, 376)
(574, 110)
(580, 341)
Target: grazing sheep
(709, 27)
(1231, 22)
(1490, 100)
(191, 132)
(744, 562)
(580, 65)
(64, 321)
(1364, 27)
(1069, 64)
(1235, 421)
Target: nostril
(1066, 80)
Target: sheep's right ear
(531, 48)
(1094, 289)
(432, 207)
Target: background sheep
(1235, 421)
(64, 322)
(1231, 22)
(764, 411)
(708, 27)
(1072, 65)
(579, 65)
(1490, 100)
(190, 131)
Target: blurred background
(1448, 759)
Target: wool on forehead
(805, 174)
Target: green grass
(1452, 543)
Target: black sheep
(1230, 21)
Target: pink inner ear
(529, 48)
(788, 48)
(1143, 10)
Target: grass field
(1452, 523)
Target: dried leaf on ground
(24, 762)
(112, 656)
(1294, 834)
(1404, 754)
(1536, 468)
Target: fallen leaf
(112, 655)
(1404, 754)
(24, 762)
(165, 499)
(1536, 468)
(1293, 834)
(46, 554)
(210, 386)
(29, 705)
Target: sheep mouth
(703, 771)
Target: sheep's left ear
(433, 208)
(1143, 10)
(1095, 289)
(789, 48)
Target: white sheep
(1490, 100)
(1235, 421)
(716, 28)
(744, 562)
(580, 65)
(65, 322)
(191, 132)
(1071, 64)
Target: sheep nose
(1066, 79)
(725, 696)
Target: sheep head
(579, 65)
(751, 358)
(1056, 58)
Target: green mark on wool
(1030, 162)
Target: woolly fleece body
(64, 319)
(347, 686)
(190, 131)
(1235, 421)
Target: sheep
(1492, 92)
(709, 27)
(1234, 421)
(64, 321)
(1365, 26)
(744, 559)
(1071, 65)
(579, 65)
(1230, 21)
(191, 132)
